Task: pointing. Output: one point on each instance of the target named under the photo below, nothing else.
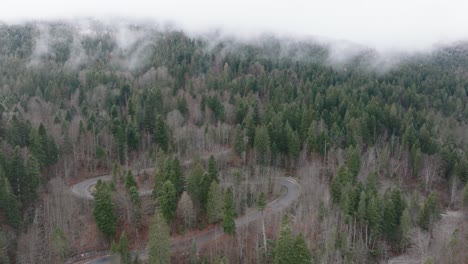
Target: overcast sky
(381, 24)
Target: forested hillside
(380, 150)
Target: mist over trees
(381, 153)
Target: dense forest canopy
(79, 99)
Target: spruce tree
(301, 251)
(405, 226)
(229, 223)
(238, 141)
(159, 241)
(124, 251)
(214, 206)
(161, 134)
(262, 146)
(168, 200)
(212, 169)
(284, 250)
(103, 210)
(4, 259)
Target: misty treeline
(380, 154)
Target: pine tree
(176, 176)
(301, 251)
(214, 206)
(4, 259)
(262, 146)
(194, 184)
(430, 212)
(212, 169)
(238, 141)
(59, 243)
(159, 241)
(405, 226)
(135, 200)
(161, 133)
(103, 210)
(284, 250)
(229, 223)
(130, 181)
(123, 249)
(168, 200)
(8, 201)
(261, 205)
(354, 161)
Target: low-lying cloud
(383, 25)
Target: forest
(202, 143)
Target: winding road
(184, 244)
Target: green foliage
(161, 133)
(59, 243)
(261, 202)
(354, 161)
(465, 196)
(159, 241)
(262, 145)
(103, 210)
(4, 259)
(284, 251)
(229, 224)
(238, 140)
(214, 207)
(168, 200)
(135, 200)
(130, 181)
(405, 227)
(212, 169)
(430, 212)
(123, 249)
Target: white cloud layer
(382, 24)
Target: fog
(398, 25)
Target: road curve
(83, 189)
(184, 244)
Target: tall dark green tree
(103, 210)
(229, 223)
(159, 241)
(161, 133)
(212, 169)
(168, 200)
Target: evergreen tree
(214, 206)
(135, 200)
(212, 169)
(130, 181)
(32, 174)
(194, 184)
(229, 223)
(159, 241)
(161, 134)
(103, 210)
(301, 251)
(168, 200)
(262, 146)
(176, 176)
(405, 226)
(284, 250)
(430, 212)
(238, 141)
(354, 161)
(261, 205)
(59, 243)
(4, 259)
(123, 249)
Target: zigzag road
(184, 244)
